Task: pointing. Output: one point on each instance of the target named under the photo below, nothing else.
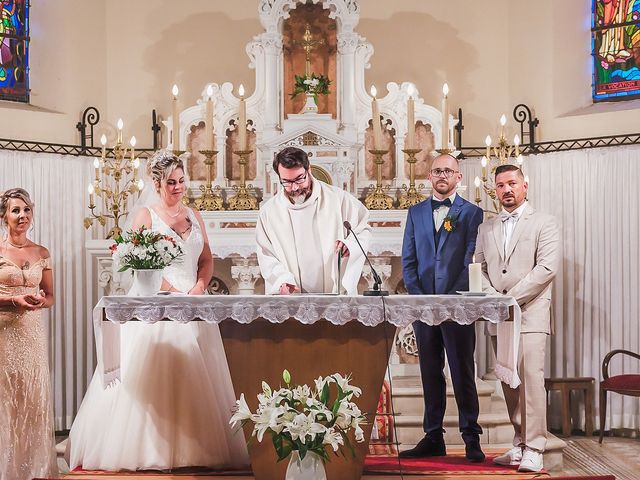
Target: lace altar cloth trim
(339, 310)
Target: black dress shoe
(429, 446)
(473, 452)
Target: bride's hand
(26, 302)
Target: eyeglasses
(297, 181)
(439, 172)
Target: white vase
(311, 467)
(146, 282)
(310, 105)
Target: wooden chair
(626, 384)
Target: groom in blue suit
(439, 241)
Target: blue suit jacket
(445, 270)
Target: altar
(310, 335)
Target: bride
(173, 405)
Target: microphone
(376, 292)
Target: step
(408, 397)
(496, 428)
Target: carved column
(347, 43)
(246, 273)
(383, 267)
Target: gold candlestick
(412, 196)
(243, 199)
(211, 199)
(378, 199)
(177, 153)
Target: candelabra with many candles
(116, 177)
(496, 155)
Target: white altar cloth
(398, 310)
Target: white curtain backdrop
(596, 308)
(57, 185)
(592, 193)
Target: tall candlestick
(411, 120)
(375, 120)
(242, 120)
(208, 120)
(445, 117)
(175, 129)
(475, 276)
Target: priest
(302, 243)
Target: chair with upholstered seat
(626, 384)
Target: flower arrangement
(144, 249)
(302, 419)
(314, 84)
(449, 223)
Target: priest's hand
(341, 246)
(288, 289)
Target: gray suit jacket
(531, 263)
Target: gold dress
(27, 443)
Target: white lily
(333, 438)
(242, 412)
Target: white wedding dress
(173, 405)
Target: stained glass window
(14, 50)
(616, 49)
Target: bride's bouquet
(302, 419)
(144, 249)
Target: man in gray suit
(520, 251)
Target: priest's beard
(299, 196)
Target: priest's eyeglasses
(439, 172)
(297, 181)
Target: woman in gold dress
(26, 287)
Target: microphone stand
(377, 282)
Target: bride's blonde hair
(162, 164)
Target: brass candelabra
(500, 154)
(115, 179)
(378, 199)
(243, 199)
(411, 196)
(211, 199)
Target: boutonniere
(449, 223)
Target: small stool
(565, 386)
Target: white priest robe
(296, 242)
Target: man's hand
(288, 289)
(341, 246)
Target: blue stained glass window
(14, 50)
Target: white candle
(477, 183)
(96, 165)
(503, 122)
(445, 117)
(475, 276)
(208, 120)
(242, 120)
(411, 120)
(516, 142)
(375, 120)
(483, 163)
(120, 126)
(175, 129)
(90, 189)
(103, 141)
(133, 142)
(487, 142)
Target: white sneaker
(531, 461)
(512, 457)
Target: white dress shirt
(509, 221)
(440, 213)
